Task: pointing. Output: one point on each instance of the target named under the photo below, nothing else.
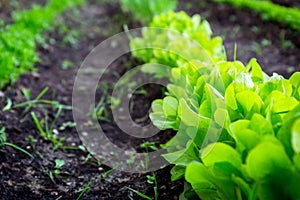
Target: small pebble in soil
(85, 134)
(10, 183)
(35, 75)
(54, 193)
(100, 169)
(55, 131)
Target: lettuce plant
(238, 128)
(145, 10)
(177, 32)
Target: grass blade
(42, 93)
(38, 125)
(139, 193)
(84, 190)
(56, 117)
(18, 148)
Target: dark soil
(22, 177)
(287, 3)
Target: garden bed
(276, 48)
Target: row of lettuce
(18, 41)
(238, 129)
(144, 10)
(287, 16)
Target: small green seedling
(57, 170)
(148, 145)
(152, 180)
(48, 133)
(66, 125)
(31, 103)
(71, 38)
(66, 64)
(37, 102)
(31, 139)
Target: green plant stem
(18, 148)
(84, 190)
